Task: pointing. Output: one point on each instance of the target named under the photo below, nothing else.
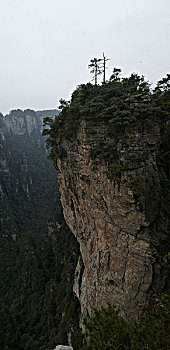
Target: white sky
(46, 45)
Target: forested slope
(38, 251)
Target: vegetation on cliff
(37, 265)
(120, 129)
(107, 330)
(121, 104)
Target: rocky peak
(25, 122)
(108, 162)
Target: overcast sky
(46, 45)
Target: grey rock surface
(118, 222)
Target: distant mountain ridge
(28, 111)
(26, 121)
(48, 112)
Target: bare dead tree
(105, 59)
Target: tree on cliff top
(96, 68)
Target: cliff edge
(108, 146)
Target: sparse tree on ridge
(163, 84)
(96, 68)
(116, 74)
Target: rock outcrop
(116, 214)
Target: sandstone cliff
(114, 207)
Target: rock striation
(116, 214)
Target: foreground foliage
(107, 330)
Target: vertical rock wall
(117, 218)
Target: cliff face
(23, 159)
(116, 214)
(21, 125)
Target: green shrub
(107, 330)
